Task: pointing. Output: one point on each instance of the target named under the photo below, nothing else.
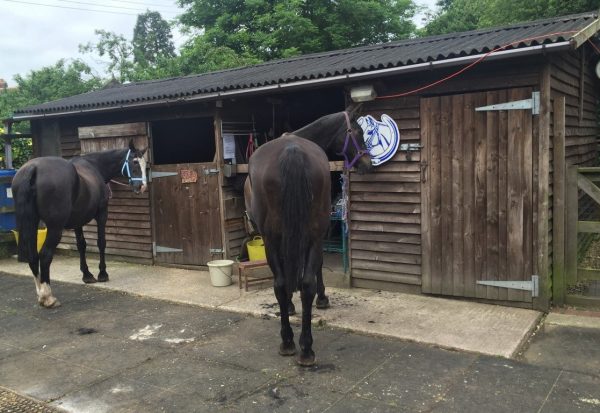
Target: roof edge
(584, 34)
(505, 54)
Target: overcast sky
(36, 33)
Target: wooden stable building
(468, 197)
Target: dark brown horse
(288, 197)
(69, 194)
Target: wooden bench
(243, 269)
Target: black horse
(69, 194)
(288, 197)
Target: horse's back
(266, 184)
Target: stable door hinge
(532, 286)
(533, 104)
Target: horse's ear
(143, 151)
(354, 109)
(131, 145)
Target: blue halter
(125, 168)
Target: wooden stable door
(477, 195)
(187, 221)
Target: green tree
(270, 29)
(152, 40)
(117, 49)
(462, 15)
(39, 86)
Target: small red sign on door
(188, 176)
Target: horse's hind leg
(309, 289)
(287, 346)
(88, 277)
(322, 299)
(45, 297)
(101, 221)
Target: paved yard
(106, 351)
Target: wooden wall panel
(581, 128)
(129, 229)
(385, 211)
(479, 222)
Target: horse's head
(134, 168)
(353, 146)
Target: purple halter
(359, 151)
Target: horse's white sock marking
(45, 296)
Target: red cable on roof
(464, 69)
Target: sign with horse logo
(381, 137)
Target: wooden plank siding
(581, 129)
(128, 230)
(480, 192)
(385, 223)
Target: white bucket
(220, 272)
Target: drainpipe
(8, 145)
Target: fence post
(572, 216)
(558, 207)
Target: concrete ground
(446, 323)
(109, 351)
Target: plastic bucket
(41, 237)
(220, 272)
(256, 249)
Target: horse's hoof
(291, 309)
(307, 360)
(287, 350)
(88, 279)
(323, 303)
(50, 302)
(102, 277)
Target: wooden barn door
(477, 196)
(187, 220)
(128, 230)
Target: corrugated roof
(325, 65)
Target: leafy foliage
(117, 49)
(270, 29)
(152, 40)
(462, 15)
(47, 84)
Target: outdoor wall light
(363, 93)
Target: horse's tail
(27, 214)
(296, 200)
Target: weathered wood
(592, 227)
(584, 34)
(109, 131)
(389, 277)
(588, 187)
(492, 203)
(187, 215)
(582, 301)
(558, 198)
(397, 208)
(391, 247)
(426, 120)
(386, 267)
(571, 226)
(482, 183)
(384, 217)
(542, 189)
(588, 274)
(386, 237)
(381, 256)
(469, 115)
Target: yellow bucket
(256, 249)
(41, 237)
